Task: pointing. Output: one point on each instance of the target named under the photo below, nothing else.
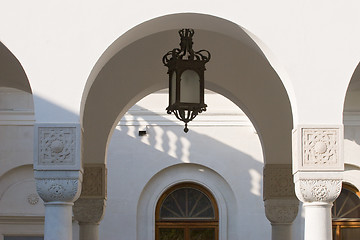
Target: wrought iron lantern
(186, 78)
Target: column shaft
(318, 224)
(89, 231)
(58, 221)
(281, 231)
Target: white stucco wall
(129, 172)
(226, 159)
(225, 145)
(312, 46)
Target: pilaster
(281, 211)
(281, 204)
(278, 182)
(90, 207)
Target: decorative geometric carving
(278, 181)
(33, 199)
(93, 181)
(281, 211)
(318, 190)
(63, 190)
(89, 210)
(320, 147)
(57, 145)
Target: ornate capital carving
(89, 210)
(94, 181)
(318, 148)
(318, 190)
(281, 211)
(58, 186)
(60, 190)
(57, 147)
(278, 181)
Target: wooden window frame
(187, 224)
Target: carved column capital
(318, 190)
(89, 210)
(281, 211)
(281, 204)
(58, 186)
(90, 207)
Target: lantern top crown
(185, 52)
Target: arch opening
(12, 74)
(239, 71)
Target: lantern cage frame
(178, 61)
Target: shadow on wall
(234, 152)
(53, 111)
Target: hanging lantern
(186, 79)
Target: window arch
(346, 214)
(186, 211)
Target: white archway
(131, 68)
(175, 174)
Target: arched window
(187, 211)
(346, 214)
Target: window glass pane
(187, 203)
(347, 205)
(22, 238)
(350, 233)
(190, 87)
(171, 233)
(202, 234)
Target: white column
(318, 166)
(281, 213)
(281, 204)
(89, 231)
(90, 207)
(89, 212)
(58, 189)
(281, 231)
(315, 213)
(58, 175)
(58, 221)
(318, 191)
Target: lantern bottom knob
(186, 128)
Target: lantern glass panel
(173, 88)
(190, 87)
